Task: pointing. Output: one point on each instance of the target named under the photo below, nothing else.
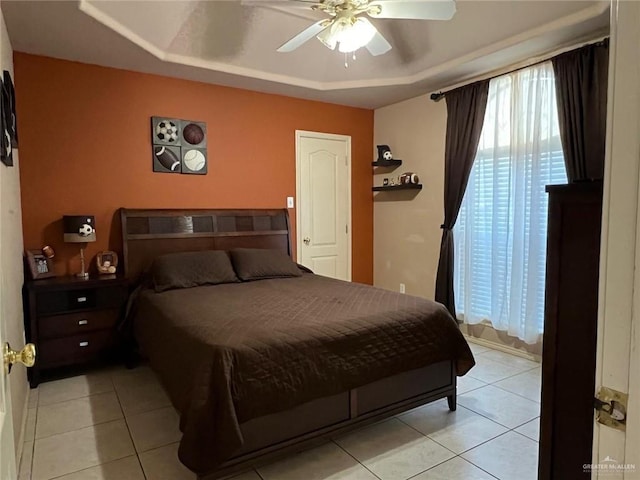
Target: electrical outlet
(402, 288)
(289, 202)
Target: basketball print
(194, 160)
(167, 131)
(167, 158)
(193, 134)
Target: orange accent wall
(85, 149)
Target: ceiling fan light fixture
(359, 34)
(348, 34)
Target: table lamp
(79, 229)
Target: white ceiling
(224, 42)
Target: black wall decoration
(8, 124)
(179, 146)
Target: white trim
(556, 25)
(325, 136)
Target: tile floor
(118, 424)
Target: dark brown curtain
(581, 88)
(465, 115)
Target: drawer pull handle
(83, 322)
(84, 344)
(82, 299)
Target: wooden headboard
(149, 233)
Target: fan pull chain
(346, 61)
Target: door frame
(300, 134)
(618, 355)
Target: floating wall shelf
(407, 186)
(387, 163)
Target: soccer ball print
(165, 131)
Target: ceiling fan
(348, 27)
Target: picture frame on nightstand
(39, 265)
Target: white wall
(11, 266)
(406, 226)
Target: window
(501, 232)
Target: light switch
(289, 202)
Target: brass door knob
(26, 356)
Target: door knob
(26, 356)
(306, 240)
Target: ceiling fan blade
(378, 44)
(415, 9)
(304, 36)
(280, 3)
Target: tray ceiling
(225, 42)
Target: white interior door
(618, 357)
(323, 210)
(7, 450)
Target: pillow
(190, 269)
(257, 263)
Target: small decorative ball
(167, 131)
(193, 134)
(85, 230)
(111, 269)
(387, 155)
(194, 160)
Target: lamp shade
(79, 228)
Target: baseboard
(503, 348)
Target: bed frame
(149, 233)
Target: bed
(262, 368)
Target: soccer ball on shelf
(387, 155)
(167, 131)
(85, 230)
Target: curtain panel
(465, 115)
(581, 87)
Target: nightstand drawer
(75, 349)
(62, 301)
(76, 323)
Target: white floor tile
(139, 390)
(24, 470)
(455, 469)
(467, 383)
(458, 431)
(127, 468)
(74, 387)
(503, 407)
(393, 450)
(530, 429)
(72, 451)
(510, 456)
(33, 397)
(476, 348)
(489, 371)
(30, 427)
(327, 462)
(527, 384)
(82, 412)
(163, 464)
(154, 429)
(508, 359)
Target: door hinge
(611, 408)
(346, 229)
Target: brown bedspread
(229, 353)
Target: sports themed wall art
(8, 130)
(179, 146)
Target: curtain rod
(436, 97)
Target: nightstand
(72, 321)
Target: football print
(166, 159)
